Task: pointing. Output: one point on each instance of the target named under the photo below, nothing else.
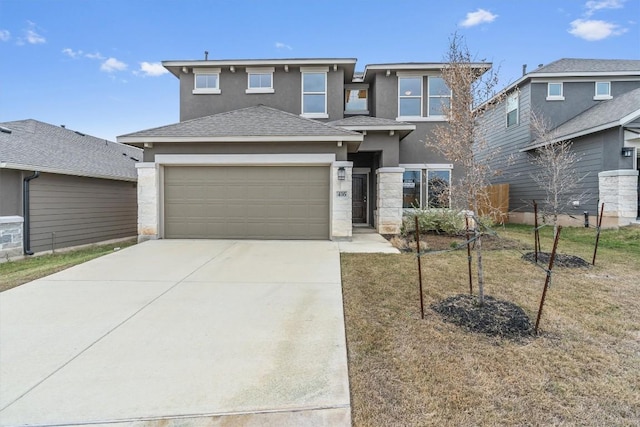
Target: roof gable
(35, 145)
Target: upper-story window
(314, 92)
(207, 80)
(512, 109)
(555, 92)
(410, 96)
(355, 100)
(260, 80)
(439, 96)
(603, 90)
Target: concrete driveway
(177, 333)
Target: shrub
(446, 221)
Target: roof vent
(79, 133)
(63, 126)
(5, 130)
(206, 55)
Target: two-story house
(593, 103)
(292, 149)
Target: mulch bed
(494, 318)
(561, 260)
(442, 242)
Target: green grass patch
(16, 273)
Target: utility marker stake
(548, 279)
(419, 267)
(595, 249)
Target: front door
(359, 198)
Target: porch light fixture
(342, 174)
(627, 151)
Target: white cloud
(32, 36)
(112, 64)
(151, 69)
(595, 5)
(72, 53)
(593, 30)
(280, 45)
(4, 35)
(478, 17)
(96, 55)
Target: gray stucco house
(291, 149)
(593, 103)
(60, 188)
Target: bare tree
(556, 172)
(472, 85)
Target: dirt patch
(494, 318)
(562, 260)
(441, 242)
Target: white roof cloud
(478, 17)
(112, 64)
(594, 30)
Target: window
(427, 187)
(259, 80)
(555, 92)
(411, 184)
(207, 81)
(438, 188)
(314, 93)
(512, 109)
(410, 96)
(439, 96)
(355, 100)
(603, 90)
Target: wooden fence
(497, 204)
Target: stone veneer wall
(341, 206)
(148, 199)
(11, 236)
(389, 204)
(619, 192)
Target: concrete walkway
(176, 332)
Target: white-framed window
(206, 81)
(439, 96)
(426, 186)
(603, 90)
(260, 80)
(410, 96)
(356, 100)
(512, 109)
(314, 92)
(555, 91)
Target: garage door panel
(246, 202)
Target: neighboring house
(593, 103)
(60, 188)
(291, 149)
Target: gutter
(26, 234)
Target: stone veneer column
(341, 225)
(389, 203)
(619, 192)
(11, 236)
(148, 199)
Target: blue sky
(93, 65)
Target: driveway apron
(180, 332)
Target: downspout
(26, 234)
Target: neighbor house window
(207, 81)
(259, 80)
(410, 96)
(512, 109)
(411, 185)
(603, 90)
(439, 96)
(555, 92)
(438, 184)
(355, 100)
(314, 93)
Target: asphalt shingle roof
(574, 65)
(258, 121)
(42, 146)
(366, 121)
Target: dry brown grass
(583, 369)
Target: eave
(45, 169)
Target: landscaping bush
(446, 221)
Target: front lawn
(583, 368)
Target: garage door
(246, 202)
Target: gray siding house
(60, 188)
(291, 149)
(593, 103)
